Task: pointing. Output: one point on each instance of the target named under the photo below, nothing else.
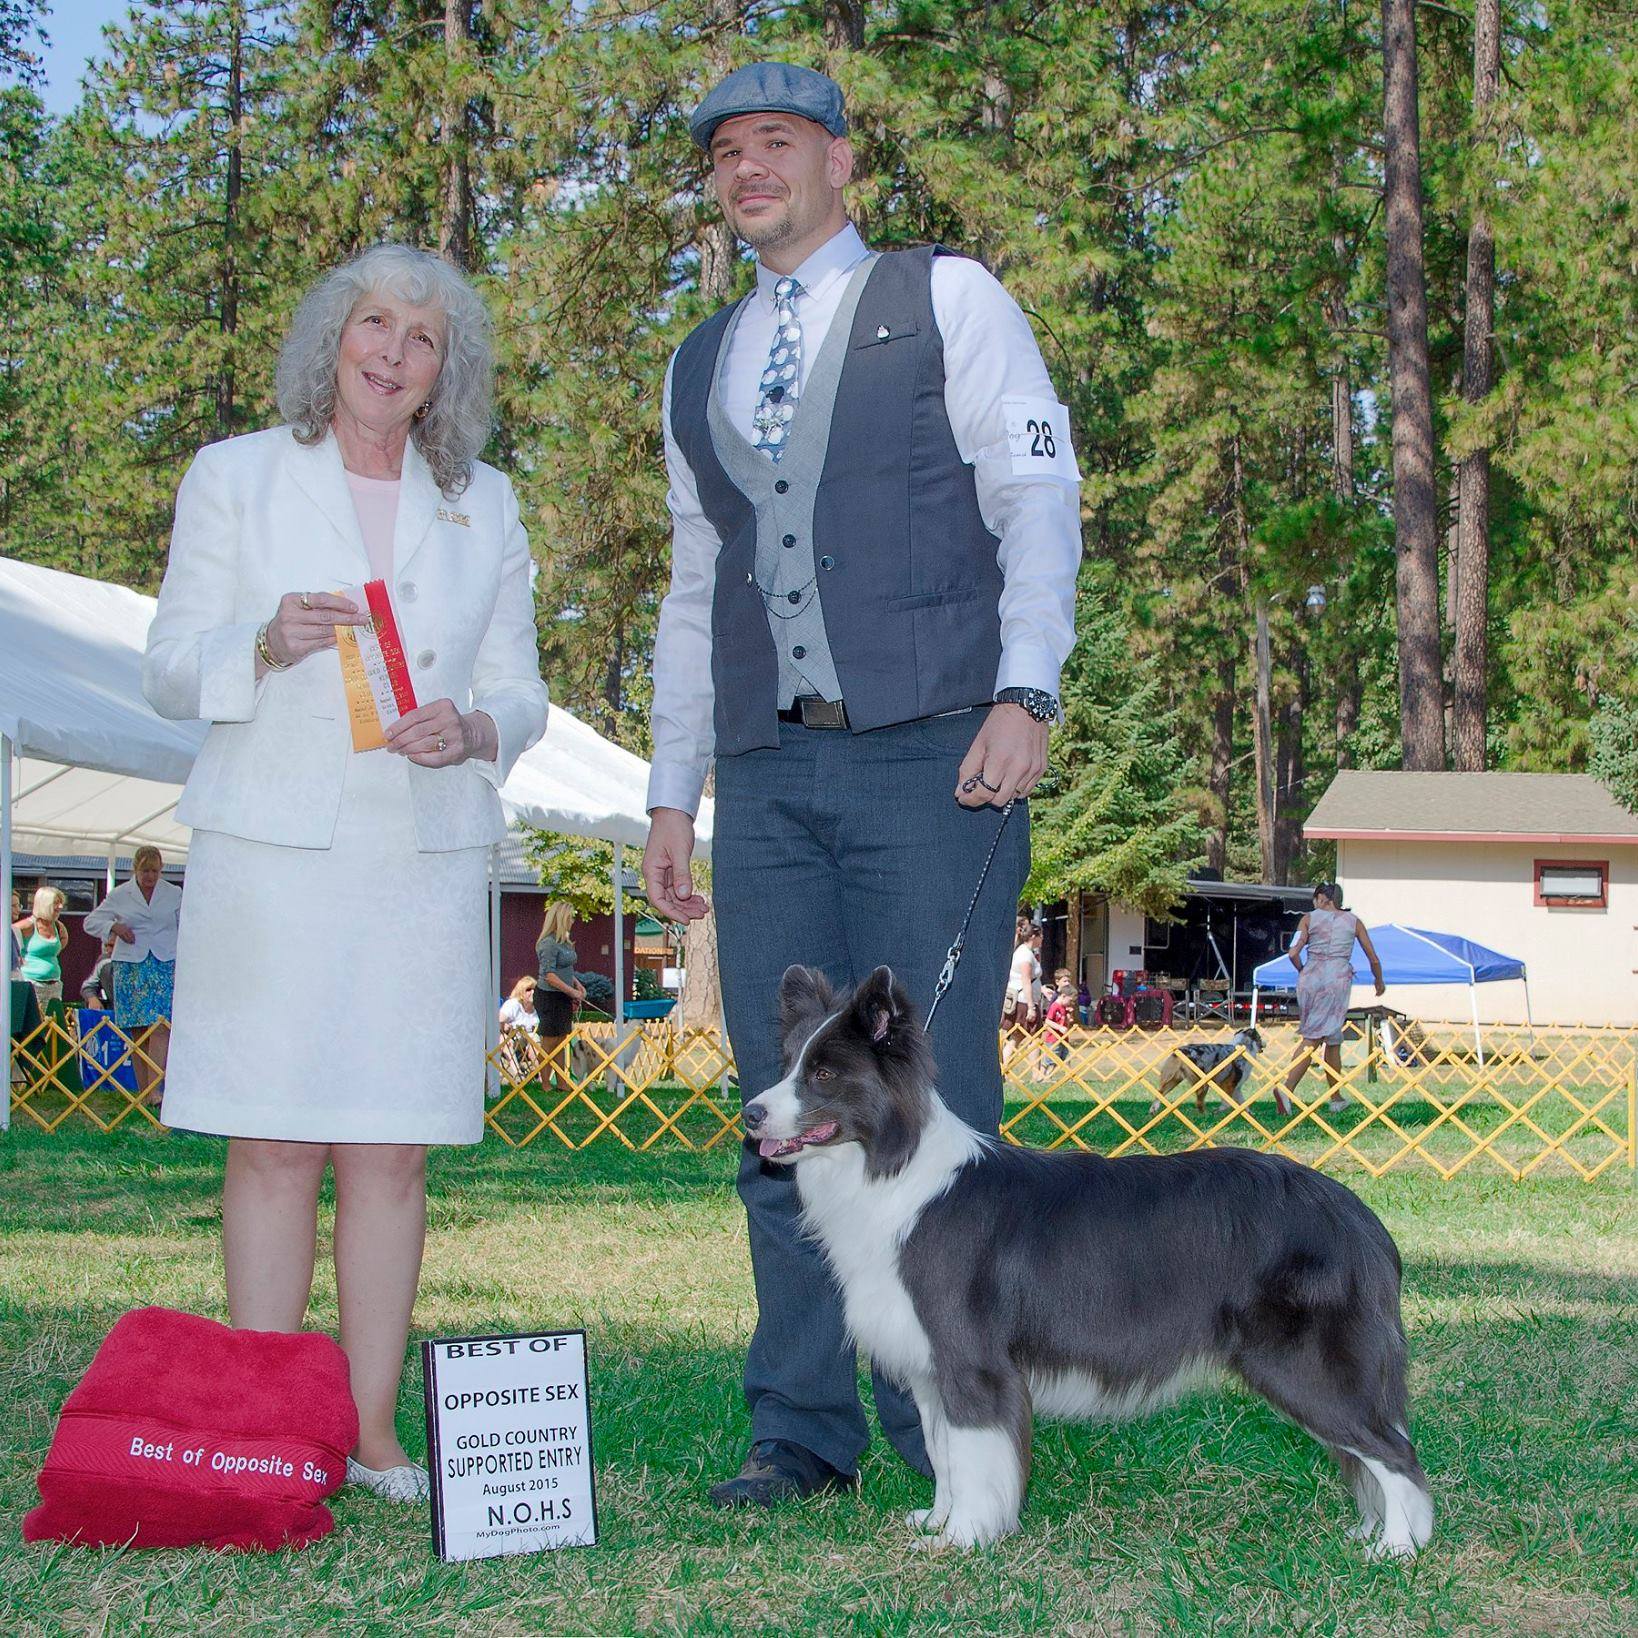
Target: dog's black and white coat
(997, 1282)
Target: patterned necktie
(777, 405)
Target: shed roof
(1471, 807)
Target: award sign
(374, 672)
(509, 1444)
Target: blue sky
(75, 27)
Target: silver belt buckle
(818, 713)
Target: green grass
(1522, 1301)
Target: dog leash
(952, 958)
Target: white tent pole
(113, 865)
(619, 940)
(492, 1031)
(40, 784)
(1254, 993)
(147, 819)
(1478, 1040)
(1524, 978)
(5, 898)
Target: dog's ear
(881, 1006)
(805, 996)
(892, 1144)
(803, 989)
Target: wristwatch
(1040, 704)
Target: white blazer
(154, 921)
(262, 515)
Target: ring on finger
(306, 602)
(441, 742)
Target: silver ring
(440, 742)
(306, 602)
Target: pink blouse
(376, 502)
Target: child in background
(1059, 1001)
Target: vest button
(827, 562)
(799, 652)
(425, 659)
(781, 486)
(789, 540)
(795, 597)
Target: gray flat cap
(767, 88)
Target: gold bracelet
(265, 652)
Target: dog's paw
(1386, 1548)
(921, 1519)
(1364, 1530)
(965, 1534)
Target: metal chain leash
(952, 958)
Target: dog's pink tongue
(769, 1148)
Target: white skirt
(333, 995)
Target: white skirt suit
(332, 970)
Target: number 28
(1042, 442)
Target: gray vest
(888, 594)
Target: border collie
(1221, 1065)
(996, 1282)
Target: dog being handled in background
(997, 1282)
(1219, 1064)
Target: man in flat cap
(876, 530)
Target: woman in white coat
(332, 971)
(140, 916)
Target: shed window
(1581, 884)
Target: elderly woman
(301, 1047)
(140, 915)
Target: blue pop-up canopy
(1412, 955)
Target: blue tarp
(1409, 955)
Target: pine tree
(1111, 818)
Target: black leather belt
(813, 712)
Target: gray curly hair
(457, 426)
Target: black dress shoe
(777, 1471)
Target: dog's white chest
(861, 1224)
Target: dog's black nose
(753, 1115)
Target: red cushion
(185, 1433)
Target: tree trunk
(1222, 765)
(1342, 486)
(844, 26)
(1290, 796)
(1262, 671)
(455, 219)
(230, 222)
(1478, 376)
(1074, 907)
(1415, 510)
(1347, 718)
(719, 253)
(1262, 747)
(701, 1006)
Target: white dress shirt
(152, 920)
(989, 354)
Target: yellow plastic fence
(1563, 1101)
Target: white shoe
(409, 1483)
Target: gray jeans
(845, 851)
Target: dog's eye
(824, 1074)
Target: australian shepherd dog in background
(1221, 1065)
(997, 1282)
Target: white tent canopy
(86, 766)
